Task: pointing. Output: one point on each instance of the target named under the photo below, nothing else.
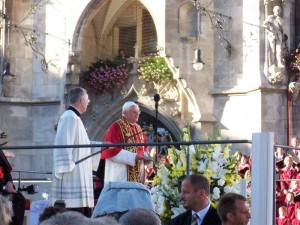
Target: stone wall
(30, 123)
(230, 93)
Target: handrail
(287, 147)
(107, 145)
(125, 144)
(24, 171)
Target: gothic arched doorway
(147, 117)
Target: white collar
(202, 213)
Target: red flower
(106, 75)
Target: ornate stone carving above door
(177, 105)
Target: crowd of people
(287, 185)
(244, 163)
(233, 209)
(72, 183)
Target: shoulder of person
(69, 113)
(114, 126)
(212, 216)
(181, 219)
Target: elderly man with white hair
(125, 163)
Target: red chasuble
(122, 131)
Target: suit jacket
(211, 218)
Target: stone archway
(99, 127)
(178, 105)
(98, 30)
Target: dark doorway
(127, 40)
(148, 121)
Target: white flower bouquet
(213, 161)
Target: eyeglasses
(86, 99)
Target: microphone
(156, 99)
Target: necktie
(194, 219)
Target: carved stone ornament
(294, 88)
(276, 75)
(276, 46)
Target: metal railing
(30, 180)
(106, 146)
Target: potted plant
(154, 68)
(104, 75)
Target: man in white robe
(70, 182)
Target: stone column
(262, 179)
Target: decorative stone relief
(174, 97)
(173, 94)
(276, 47)
(294, 88)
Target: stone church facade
(49, 44)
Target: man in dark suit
(234, 209)
(194, 195)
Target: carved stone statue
(277, 46)
(294, 88)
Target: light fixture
(198, 64)
(218, 22)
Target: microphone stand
(156, 99)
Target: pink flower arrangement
(292, 63)
(104, 75)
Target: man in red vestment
(125, 163)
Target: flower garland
(154, 67)
(292, 64)
(215, 163)
(104, 75)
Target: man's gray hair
(76, 94)
(6, 210)
(127, 105)
(138, 216)
(76, 218)
(70, 218)
(104, 220)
